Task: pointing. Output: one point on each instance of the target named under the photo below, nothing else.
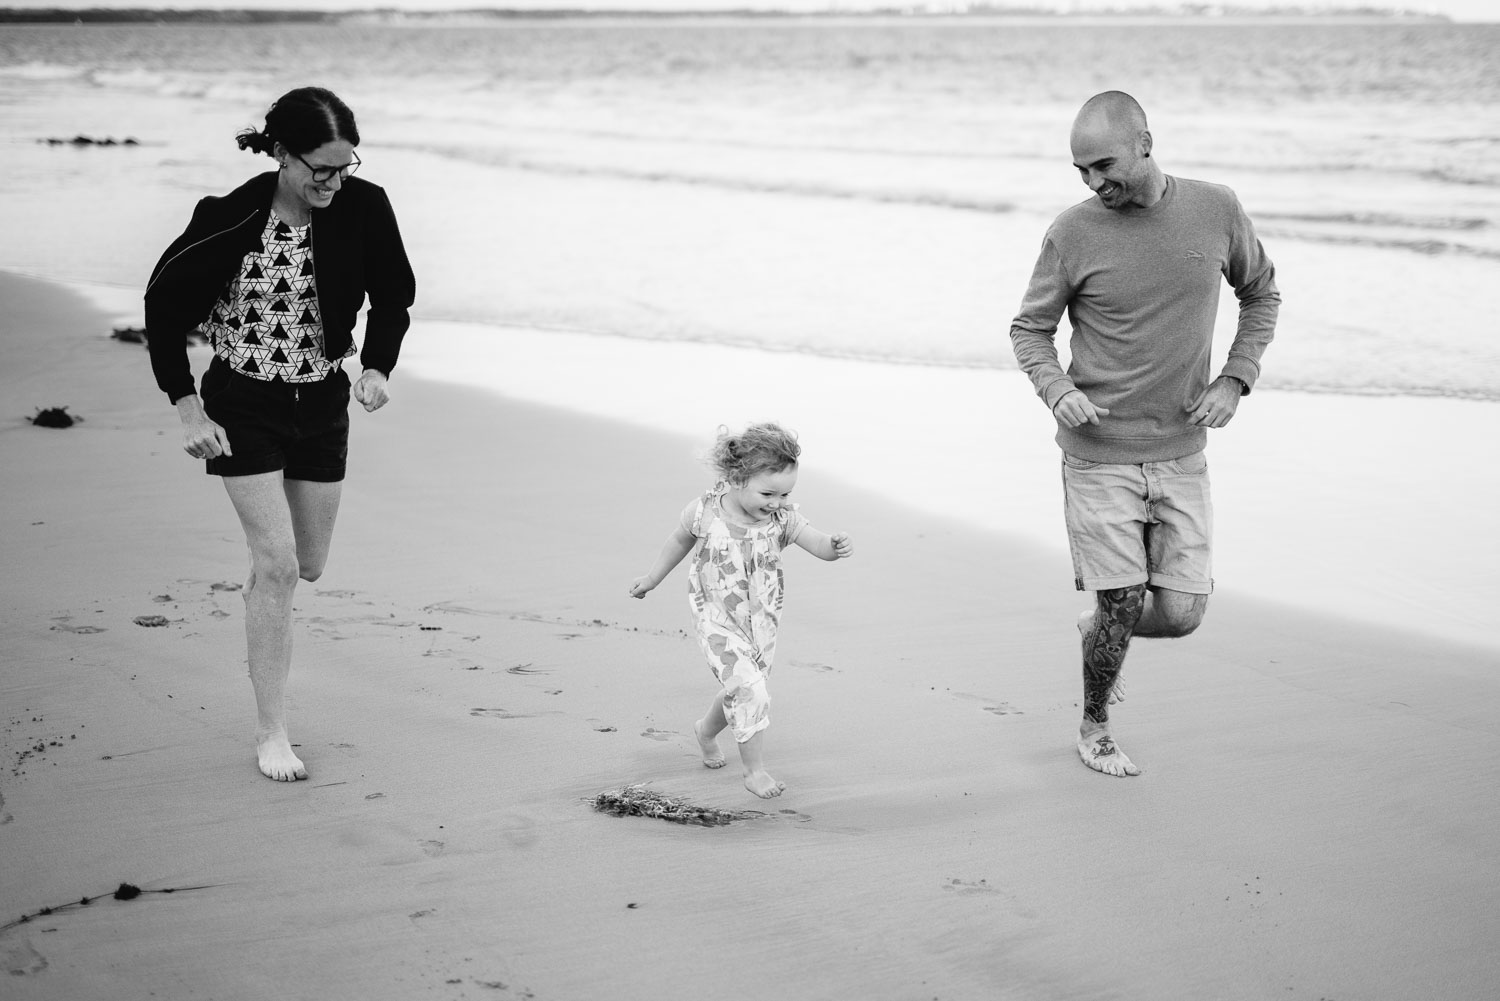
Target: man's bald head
(1113, 114)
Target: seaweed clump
(639, 800)
(54, 417)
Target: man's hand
(1075, 409)
(1216, 407)
(370, 389)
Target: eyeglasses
(321, 174)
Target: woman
(275, 273)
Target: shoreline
(1358, 466)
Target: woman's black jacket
(357, 251)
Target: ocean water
(859, 187)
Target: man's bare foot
(276, 758)
(1098, 751)
(763, 785)
(1116, 691)
(712, 756)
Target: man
(1137, 269)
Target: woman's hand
(201, 437)
(370, 390)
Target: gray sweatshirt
(1141, 289)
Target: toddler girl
(736, 532)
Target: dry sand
(1316, 819)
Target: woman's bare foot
(763, 785)
(712, 756)
(276, 758)
(1097, 749)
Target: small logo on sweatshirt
(1193, 255)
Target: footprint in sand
(526, 668)
(520, 831)
(500, 713)
(966, 887)
(1003, 709)
(63, 627)
(654, 734)
(432, 848)
(795, 815)
(812, 664)
(19, 959)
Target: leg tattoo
(1105, 644)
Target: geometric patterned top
(266, 323)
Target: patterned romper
(735, 591)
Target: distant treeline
(115, 15)
(147, 15)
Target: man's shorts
(301, 428)
(1146, 523)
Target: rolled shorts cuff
(1109, 583)
(1181, 584)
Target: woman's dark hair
(302, 120)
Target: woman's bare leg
(288, 526)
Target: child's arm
(837, 546)
(678, 545)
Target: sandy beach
(1315, 821)
(623, 237)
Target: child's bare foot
(763, 785)
(1097, 749)
(712, 756)
(1117, 691)
(277, 761)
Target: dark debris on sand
(126, 891)
(53, 417)
(138, 335)
(83, 140)
(639, 800)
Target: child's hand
(641, 586)
(843, 546)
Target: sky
(1459, 10)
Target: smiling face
(761, 496)
(298, 188)
(1113, 160)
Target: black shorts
(301, 428)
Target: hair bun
(255, 142)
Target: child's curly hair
(760, 448)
